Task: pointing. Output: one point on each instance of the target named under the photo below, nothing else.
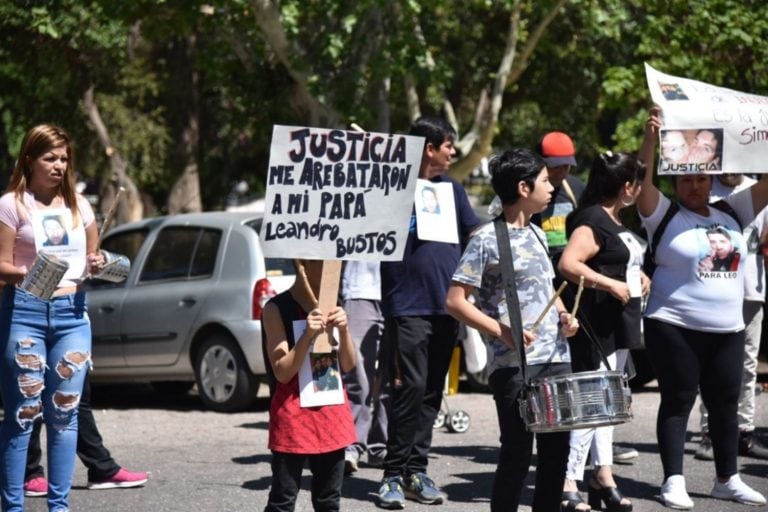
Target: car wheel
(169, 387)
(224, 381)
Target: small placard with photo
(435, 212)
(319, 375)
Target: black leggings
(685, 361)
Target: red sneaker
(37, 486)
(121, 480)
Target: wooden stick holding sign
(328, 299)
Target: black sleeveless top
(602, 317)
(290, 310)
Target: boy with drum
(519, 177)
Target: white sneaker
(735, 489)
(674, 495)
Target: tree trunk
(477, 143)
(130, 207)
(267, 16)
(6, 160)
(184, 196)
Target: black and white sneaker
(624, 455)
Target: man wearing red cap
(559, 153)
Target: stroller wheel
(439, 420)
(459, 422)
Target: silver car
(189, 310)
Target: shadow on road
(144, 396)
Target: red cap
(557, 149)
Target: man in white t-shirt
(754, 296)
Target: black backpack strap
(650, 254)
(727, 208)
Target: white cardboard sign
(339, 195)
(707, 128)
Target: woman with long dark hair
(609, 258)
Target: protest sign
(707, 128)
(339, 195)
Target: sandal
(571, 501)
(611, 496)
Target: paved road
(203, 461)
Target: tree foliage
(193, 88)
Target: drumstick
(110, 214)
(549, 305)
(578, 297)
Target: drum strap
(510, 289)
(513, 304)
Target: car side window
(274, 266)
(180, 253)
(205, 256)
(126, 243)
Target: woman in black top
(609, 257)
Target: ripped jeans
(47, 353)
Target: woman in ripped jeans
(46, 343)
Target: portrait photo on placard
(319, 374)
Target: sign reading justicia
(708, 128)
(337, 194)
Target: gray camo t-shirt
(479, 268)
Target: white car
(189, 311)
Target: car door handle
(107, 309)
(187, 302)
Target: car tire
(224, 381)
(171, 387)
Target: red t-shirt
(306, 430)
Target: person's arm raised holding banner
(691, 348)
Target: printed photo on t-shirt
(720, 251)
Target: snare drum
(576, 400)
(44, 276)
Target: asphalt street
(205, 461)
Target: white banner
(707, 128)
(336, 194)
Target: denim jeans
(90, 446)
(47, 352)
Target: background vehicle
(189, 310)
